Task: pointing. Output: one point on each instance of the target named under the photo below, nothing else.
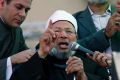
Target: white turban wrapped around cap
(62, 15)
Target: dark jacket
(11, 42)
(95, 41)
(37, 68)
(88, 35)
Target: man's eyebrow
(28, 8)
(69, 28)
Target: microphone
(76, 47)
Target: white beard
(61, 55)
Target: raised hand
(114, 22)
(47, 41)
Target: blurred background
(40, 11)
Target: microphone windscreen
(76, 47)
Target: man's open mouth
(63, 45)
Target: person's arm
(21, 57)
(5, 69)
(3, 65)
(30, 70)
(7, 63)
(97, 41)
(9, 69)
(87, 34)
(33, 68)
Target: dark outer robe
(11, 42)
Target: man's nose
(22, 13)
(63, 34)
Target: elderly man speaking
(54, 60)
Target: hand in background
(101, 58)
(75, 65)
(21, 57)
(114, 22)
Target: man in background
(13, 50)
(97, 31)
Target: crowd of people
(95, 28)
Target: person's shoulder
(81, 13)
(77, 13)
